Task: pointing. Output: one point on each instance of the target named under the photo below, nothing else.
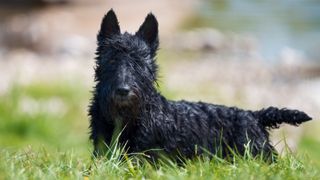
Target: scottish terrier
(126, 103)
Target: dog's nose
(123, 91)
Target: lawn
(38, 163)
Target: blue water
(275, 23)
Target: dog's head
(125, 65)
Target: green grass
(39, 164)
(44, 135)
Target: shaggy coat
(125, 98)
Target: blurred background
(250, 54)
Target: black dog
(125, 98)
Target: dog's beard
(128, 107)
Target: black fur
(125, 94)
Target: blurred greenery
(50, 114)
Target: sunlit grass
(40, 164)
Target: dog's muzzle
(124, 96)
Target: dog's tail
(272, 117)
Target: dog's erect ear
(148, 31)
(109, 26)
